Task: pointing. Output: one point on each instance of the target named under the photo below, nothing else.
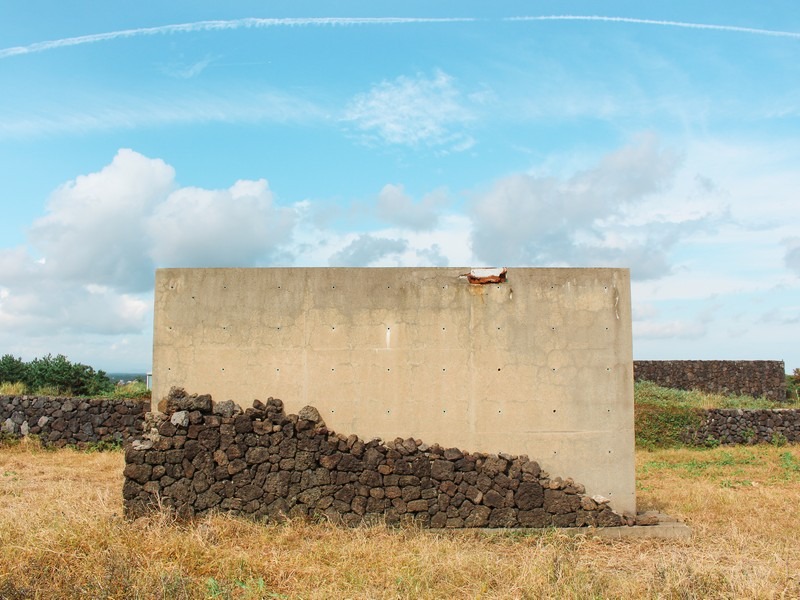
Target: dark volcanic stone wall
(72, 421)
(739, 426)
(201, 456)
(733, 377)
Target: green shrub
(12, 370)
(54, 375)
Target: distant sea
(126, 376)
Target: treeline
(54, 375)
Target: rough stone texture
(739, 426)
(267, 464)
(733, 377)
(72, 421)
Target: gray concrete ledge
(662, 531)
(667, 528)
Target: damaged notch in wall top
(484, 276)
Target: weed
(8, 439)
(749, 435)
(103, 446)
(790, 464)
(134, 389)
(214, 589)
(778, 439)
(16, 388)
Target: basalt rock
(199, 456)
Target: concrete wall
(539, 365)
(732, 377)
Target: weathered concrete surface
(661, 531)
(540, 364)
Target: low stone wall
(732, 377)
(72, 421)
(200, 456)
(739, 426)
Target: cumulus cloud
(413, 111)
(584, 219)
(398, 208)
(367, 249)
(792, 257)
(89, 265)
(95, 230)
(46, 307)
(235, 227)
(433, 256)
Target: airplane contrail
(254, 23)
(731, 28)
(248, 23)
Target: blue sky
(663, 137)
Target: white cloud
(413, 111)
(676, 329)
(792, 256)
(95, 230)
(366, 250)
(663, 23)
(182, 70)
(432, 256)
(588, 218)
(218, 25)
(82, 112)
(213, 228)
(398, 208)
(89, 269)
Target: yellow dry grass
(62, 536)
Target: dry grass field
(62, 536)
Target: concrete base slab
(666, 528)
(662, 531)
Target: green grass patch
(664, 426)
(664, 416)
(715, 463)
(134, 389)
(645, 392)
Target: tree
(12, 370)
(56, 373)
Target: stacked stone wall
(739, 426)
(199, 456)
(72, 421)
(755, 378)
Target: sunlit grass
(646, 392)
(62, 535)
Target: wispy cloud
(187, 71)
(730, 28)
(248, 23)
(82, 114)
(413, 111)
(259, 23)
